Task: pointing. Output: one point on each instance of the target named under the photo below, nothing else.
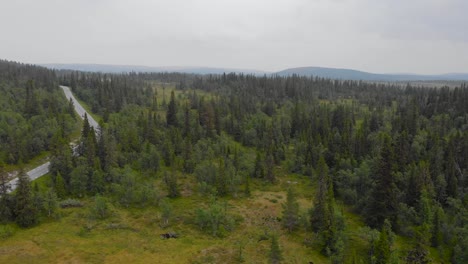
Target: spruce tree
(259, 169)
(323, 213)
(383, 203)
(5, 198)
(170, 179)
(60, 188)
(384, 244)
(290, 217)
(25, 211)
(171, 114)
(50, 203)
(276, 256)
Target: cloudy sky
(384, 36)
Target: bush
(100, 210)
(6, 231)
(215, 219)
(69, 203)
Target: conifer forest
(231, 168)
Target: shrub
(70, 203)
(6, 231)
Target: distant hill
(132, 68)
(332, 73)
(348, 74)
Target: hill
(333, 73)
(349, 74)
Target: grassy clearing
(133, 235)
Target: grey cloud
(420, 36)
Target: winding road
(44, 168)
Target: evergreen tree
(383, 202)
(171, 114)
(25, 211)
(6, 213)
(247, 190)
(259, 169)
(60, 187)
(71, 109)
(269, 164)
(276, 256)
(188, 165)
(383, 247)
(290, 217)
(50, 203)
(436, 232)
(171, 182)
(323, 213)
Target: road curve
(44, 168)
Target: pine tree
(25, 211)
(86, 127)
(384, 244)
(5, 198)
(323, 213)
(383, 203)
(171, 114)
(290, 217)
(269, 164)
(71, 109)
(171, 182)
(60, 188)
(436, 232)
(276, 256)
(50, 203)
(259, 169)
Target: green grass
(33, 163)
(133, 235)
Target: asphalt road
(78, 108)
(33, 174)
(44, 168)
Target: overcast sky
(384, 36)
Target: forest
(273, 169)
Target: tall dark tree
(323, 214)
(276, 256)
(384, 244)
(171, 114)
(290, 217)
(383, 203)
(172, 186)
(259, 167)
(26, 214)
(6, 202)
